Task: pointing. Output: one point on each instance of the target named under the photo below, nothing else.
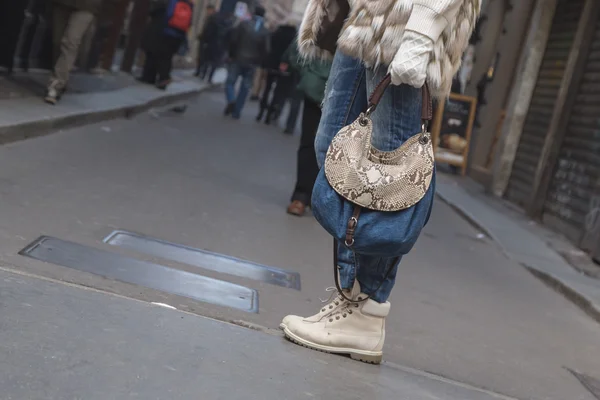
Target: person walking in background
(280, 41)
(70, 21)
(248, 47)
(210, 45)
(313, 76)
(166, 32)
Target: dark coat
(249, 43)
(280, 41)
(212, 38)
(92, 6)
(158, 38)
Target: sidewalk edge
(562, 286)
(46, 126)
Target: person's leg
(163, 69)
(77, 25)
(150, 71)
(60, 19)
(280, 94)
(345, 98)
(247, 74)
(257, 83)
(307, 168)
(200, 61)
(233, 72)
(264, 100)
(397, 118)
(292, 118)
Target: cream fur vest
(372, 31)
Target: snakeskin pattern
(374, 179)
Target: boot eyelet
(337, 318)
(350, 311)
(323, 310)
(330, 307)
(356, 306)
(331, 320)
(345, 315)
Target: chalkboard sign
(452, 130)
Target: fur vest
(372, 31)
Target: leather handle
(375, 98)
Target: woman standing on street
(416, 42)
(313, 77)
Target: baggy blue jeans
(397, 117)
(234, 72)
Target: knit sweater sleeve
(430, 17)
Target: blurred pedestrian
(211, 42)
(313, 76)
(280, 41)
(164, 36)
(248, 47)
(70, 21)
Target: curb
(559, 285)
(46, 126)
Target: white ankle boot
(356, 329)
(338, 302)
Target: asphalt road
(460, 309)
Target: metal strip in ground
(203, 259)
(142, 273)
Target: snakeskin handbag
(376, 202)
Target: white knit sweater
(374, 31)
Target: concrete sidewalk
(66, 342)
(25, 117)
(520, 244)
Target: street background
(461, 309)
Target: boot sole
(369, 357)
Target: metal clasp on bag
(364, 119)
(424, 137)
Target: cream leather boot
(337, 302)
(356, 329)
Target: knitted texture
(410, 62)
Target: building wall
(503, 43)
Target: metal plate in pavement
(142, 273)
(203, 259)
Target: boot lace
(333, 300)
(348, 309)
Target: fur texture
(373, 32)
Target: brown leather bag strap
(375, 98)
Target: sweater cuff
(427, 22)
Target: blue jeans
(397, 118)
(234, 72)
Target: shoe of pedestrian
(53, 93)
(162, 85)
(296, 208)
(228, 109)
(260, 115)
(356, 329)
(334, 302)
